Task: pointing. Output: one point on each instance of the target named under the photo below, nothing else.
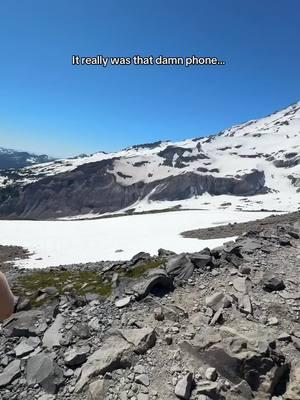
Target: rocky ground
(221, 324)
(8, 254)
(237, 229)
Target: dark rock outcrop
(93, 187)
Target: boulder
(26, 347)
(156, 279)
(140, 257)
(180, 267)
(233, 248)
(76, 356)
(142, 339)
(245, 269)
(211, 374)
(41, 369)
(143, 379)
(184, 387)
(165, 253)
(26, 323)
(115, 353)
(200, 260)
(270, 282)
(11, 372)
(106, 359)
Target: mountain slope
(260, 159)
(18, 159)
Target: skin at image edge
(7, 299)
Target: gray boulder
(26, 346)
(180, 267)
(26, 323)
(11, 372)
(140, 257)
(76, 356)
(184, 387)
(142, 339)
(106, 359)
(270, 282)
(115, 353)
(41, 369)
(200, 260)
(157, 278)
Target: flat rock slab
(120, 303)
(110, 356)
(26, 324)
(103, 360)
(142, 339)
(41, 369)
(76, 356)
(11, 372)
(26, 347)
(53, 335)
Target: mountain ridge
(258, 158)
(10, 158)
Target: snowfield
(54, 243)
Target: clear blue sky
(49, 106)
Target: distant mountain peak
(16, 159)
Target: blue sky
(49, 106)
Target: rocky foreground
(219, 324)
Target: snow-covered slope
(253, 166)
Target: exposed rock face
(264, 152)
(92, 187)
(184, 186)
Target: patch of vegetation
(80, 283)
